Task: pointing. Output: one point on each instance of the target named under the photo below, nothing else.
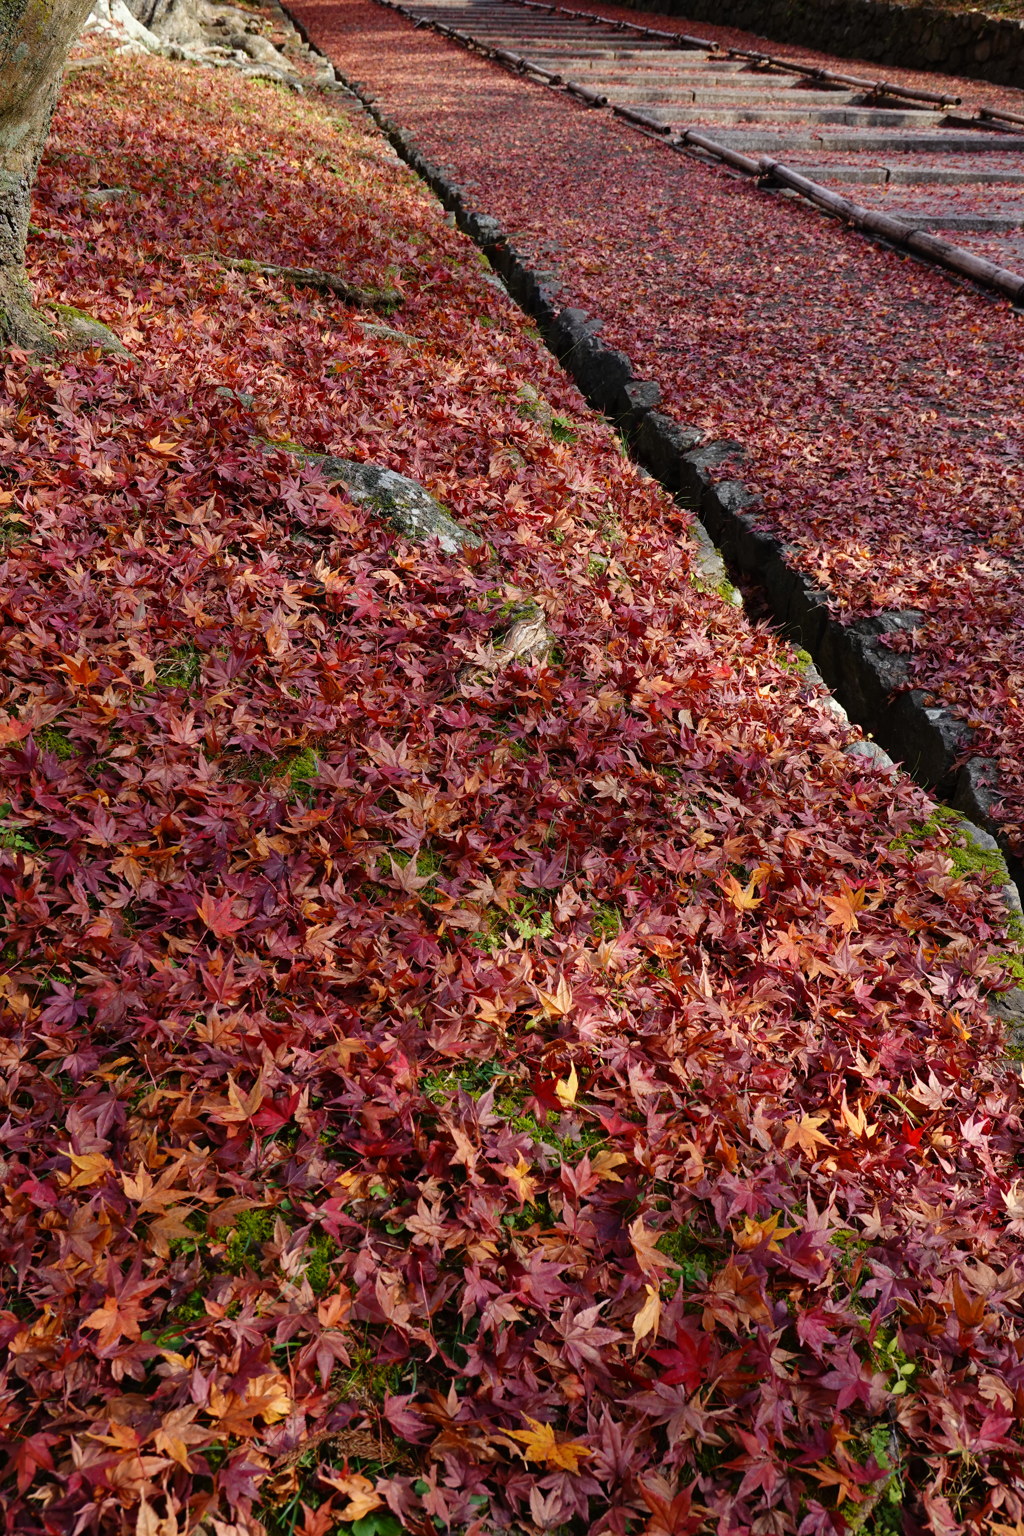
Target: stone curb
(853, 659)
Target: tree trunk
(35, 36)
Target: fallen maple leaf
(216, 913)
(604, 1162)
(87, 1168)
(361, 1494)
(844, 908)
(518, 1175)
(565, 1091)
(742, 896)
(559, 1002)
(804, 1133)
(648, 1319)
(754, 1232)
(540, 1444)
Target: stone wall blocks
(661, 445)
(930, 739)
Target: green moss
(793, 658)
(691, 1259)
(191, 1310)
(245, 1238)
(181, 668)
(50, 738)
(303, 770)
(365, 1376)
(321, 1254)
(473, 1077)
(605, 920)
(568, 1149)
(969, 861)
(536, 1214)
(428, 864)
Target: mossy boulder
(402, 502)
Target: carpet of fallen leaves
(879, 404)
(437, 1097)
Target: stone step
(808, 102)
(879, 142)
(851, 117)
(967, 223)
(911, 175)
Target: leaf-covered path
(879, 404)
(440, 1090)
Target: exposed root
(324, 282)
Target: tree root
(325, 282)
(75, 331)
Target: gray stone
(402, 502)
(97, 196)
(872, 752)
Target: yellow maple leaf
(605, 1162)
(804, 1133)
(559, 1002)
(87, 1168)
(648, 1318)
(268, 1397)
(566, 1091)
(856, 1121)
(754, 1232)
(539, 1444)
(518, 1175)
(162, 445)
(742, 896)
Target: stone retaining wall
(917, 37)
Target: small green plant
(12, 531)
(562, 429)
(888, 1357)
(10, 837)
(473, 1077)
(883, 1507)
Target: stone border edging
(929, 742)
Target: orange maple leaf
(844, 907)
